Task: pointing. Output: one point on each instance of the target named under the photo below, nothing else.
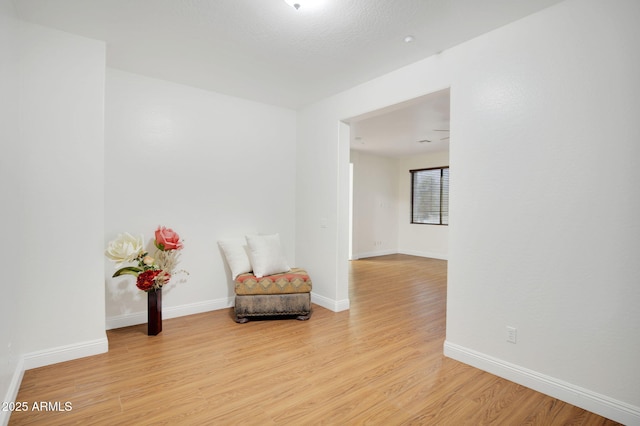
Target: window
(430, 196)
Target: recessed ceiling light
(409, 39)
(424, 141)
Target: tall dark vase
(154, 312)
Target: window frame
(413, 174)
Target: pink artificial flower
(167, 239)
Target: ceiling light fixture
(294, 3)
(306, 5)
(408, 39)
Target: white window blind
(430, 196)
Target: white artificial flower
(125, 248)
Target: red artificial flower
(146, 279)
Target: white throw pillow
(237, 255)
(266, 255)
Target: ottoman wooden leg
(241, 320)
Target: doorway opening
(384, 145)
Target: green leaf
(128, 270)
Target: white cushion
(237, 255)
(266, 255)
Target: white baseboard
(169, 312)
(12, 391)
(592, 401)
(206, 306)
(332, 305)
(373, 254)
(430, 254)
(65, 353)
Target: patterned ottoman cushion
(295, 281)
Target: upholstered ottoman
(284, 294)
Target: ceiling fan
(436, 130)
(442, 130)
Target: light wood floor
(379, 363)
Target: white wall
(414, 239)
(11, 211)
(322, 197)
(546, 159)
(544, 115)
(375, 200)
(61, 298)
(207, 165)
(51, 128)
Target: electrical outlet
(512, 334)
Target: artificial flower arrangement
(151, 272)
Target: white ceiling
(409, 128)
(267, 51)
